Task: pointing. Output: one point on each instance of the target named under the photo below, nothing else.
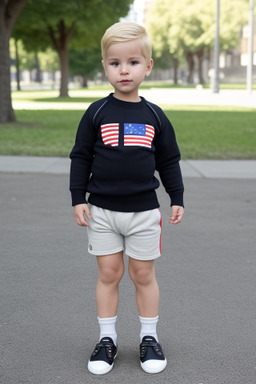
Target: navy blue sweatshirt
(118, 147)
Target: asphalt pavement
(206, 275)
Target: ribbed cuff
(78, 197)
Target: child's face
(126, 68)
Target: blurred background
(53, 41)
(50, 50)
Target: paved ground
(228, 169)
(206, 276)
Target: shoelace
(150, 344)
(108, 346)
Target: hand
(177, 214)
(80, 211)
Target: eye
(114, 64)
(134, 62)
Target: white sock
(148, 327)
(108, 328)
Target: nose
(123, 69)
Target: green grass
(40, 133)
(215, 133)
(202, 132)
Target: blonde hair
(126, 31)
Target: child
(121, 140)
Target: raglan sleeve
(81, 158)
(167, 158)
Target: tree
(21, 58)
(9, 11)
(85, 63)
(158, 21)
(49, 62)
(65, 24)
(164, 62)
(187, 27)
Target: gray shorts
(138, 234)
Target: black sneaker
(152, 359)
(102, 358)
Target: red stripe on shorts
(161, 225)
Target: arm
(167, 157)
(81, 159)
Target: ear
(149, 67)
(103, 64)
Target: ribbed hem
(134, 203)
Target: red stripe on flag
(110, 134)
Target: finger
(174, 215)
(176, 219)
(80, 211)
(87, 212)
(173, 220)
(80, 220)
(177, 214)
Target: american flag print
(110, 134)
(138, 134)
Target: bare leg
(143, 276)
(110, 272)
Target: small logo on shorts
(90, 247)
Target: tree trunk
(9, 12)
(17, 59)
(64, 67)
(6, 110)
(200, 56)
(191, 66)
(84, 82)
(175, 63)
(60, 39)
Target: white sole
(106, 368)
(157, 369)
(102, 371)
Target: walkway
(227, 169)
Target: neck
(127, 97)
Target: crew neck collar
(126, 104)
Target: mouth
(125, 81)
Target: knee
(111, 275)
(142, 276)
